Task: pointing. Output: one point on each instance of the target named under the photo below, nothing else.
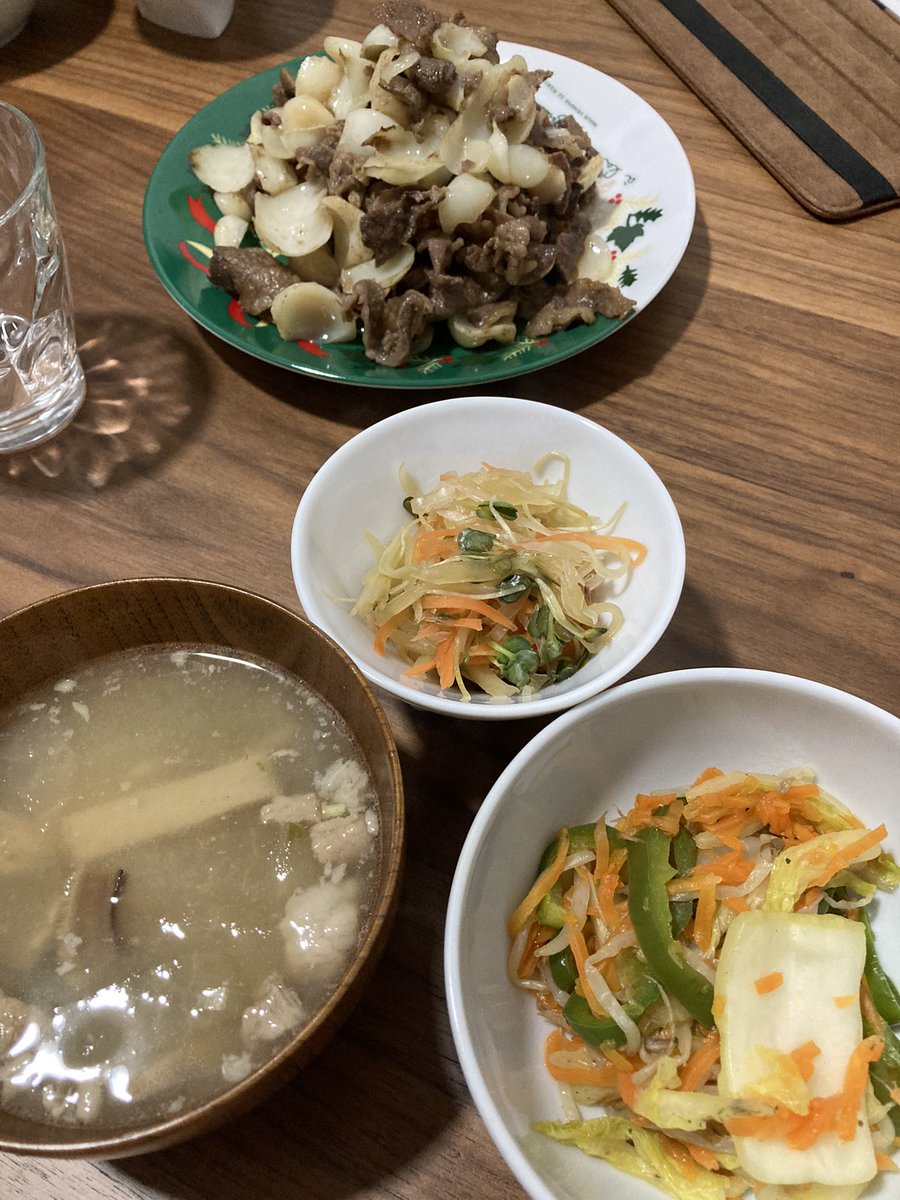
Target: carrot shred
(705, 912)
(540, 887)
(697, 1068)
(768, 983)
(803, 1057)
(736, 904)
(538, 935)
(844, 1001)
(599, 1076)
(844, 857)
(827, 1114)
(884, 1163)
(444, 660)
(701, 1155)
(420, 668)
(384, 631)
(443, 603)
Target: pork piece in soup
(189, 841)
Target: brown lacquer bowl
(54, 637)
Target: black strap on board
(837, 153)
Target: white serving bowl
(654, 733)
(358, 491)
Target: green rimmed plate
(647, 184)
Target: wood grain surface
(762, 385)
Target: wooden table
(762, 385)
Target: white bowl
(657, 732)
(357, 490)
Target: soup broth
(188, 842)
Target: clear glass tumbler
(41, 378)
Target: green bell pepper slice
(885, 996)
(649, 870)
(599, 1031)
(550, 911)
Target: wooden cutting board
(811, 87)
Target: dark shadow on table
(576, 383)
(55, 31)
(253, 31)
(147, 391)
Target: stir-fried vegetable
(681, 952)
(498, 581)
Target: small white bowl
(357, 491)
(652, 733)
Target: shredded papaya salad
(498, 580)
(708, 967)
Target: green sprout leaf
(513, 587)
(488, 511)
(475, 541)
(517, 660)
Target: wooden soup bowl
(54, 637)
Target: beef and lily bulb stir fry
(408, 180)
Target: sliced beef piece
(347, 175)
(487, 37)
(579, 301)
(433, 76)
(254, 276)
(397, 215)
(570, 244)
(321, 154)
(410, 21)
(390, 327)
(452, 294)
(439, 249)
(284, 89)
(414, 101)
(510, 255)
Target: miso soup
(188, 848)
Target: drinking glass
(41, 378)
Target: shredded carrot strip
(709, 773)
(705, 912)
(736, 903)
(599, 1076)
(540, 887)
(599, 542)
(537, 937)
(580, 953)
(601, 849)
(884, 1163)
(827, 1114)
(844, 1001)
(444, 603)
(384, 631)
(430, 543)
(803, 1057)
(704, 1157)
(697, 1068)
(844, 857)
(627, 1089)
(855, 1079)
(768, 983)
(680, 1152)
(420, 668)
(444, 659)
